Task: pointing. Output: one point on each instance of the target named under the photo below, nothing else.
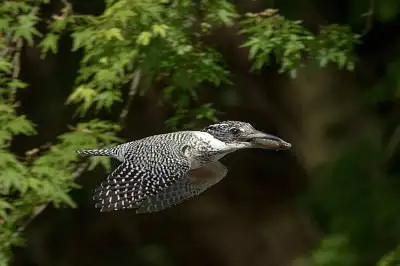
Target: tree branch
(15, 52)
(16, 69)
(369, 17)
(65, 11)
(132, 92)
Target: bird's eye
(210, 128)
(234, 130)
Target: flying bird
(161, 171)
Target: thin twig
(65, 11)
(16, 57)
(16, 69)
(369, 17)
(132, 92)
(36, 212)
(80, 170)
(394, 142)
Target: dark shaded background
(273, 206)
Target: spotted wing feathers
(194, 183)
(171, 196)
(127, 186)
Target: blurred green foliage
(388, 88)
(333, 251)
(356, 196)
(391, 259)
(162, 43)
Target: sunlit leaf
(144, 38)
(113, 33)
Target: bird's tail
(98, 152)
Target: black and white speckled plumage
(184, 189)
(161, 171)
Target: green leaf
(82, 94)
(226, 17)
(26, 28)
(82, 38)
(58, 25)
(21, 125)
(144, 38)
(253, 50)
(391, 259)
(65, 198)
(5, 66)
(160, 30)
(113, 33)
(49, 43)
(113, 9)
(220, 12)
(107, 99)
(17, 84)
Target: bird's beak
(266, 141)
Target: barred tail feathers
(97, 152)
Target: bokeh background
(334, 196)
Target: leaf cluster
(145, 35)
(272, 37)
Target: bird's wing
(129, 184)
(196, 182)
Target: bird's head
(245, 135)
